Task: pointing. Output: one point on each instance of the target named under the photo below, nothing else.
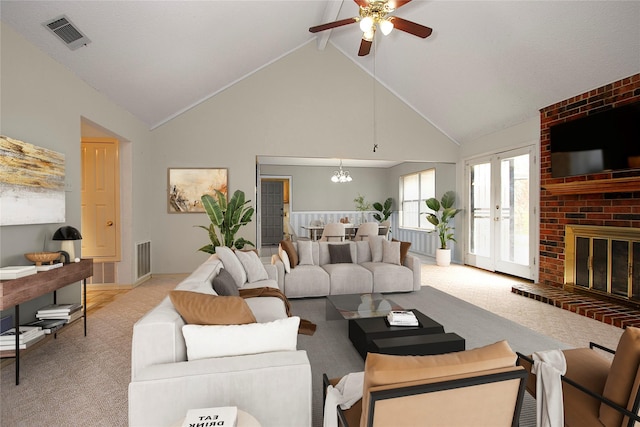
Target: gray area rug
(82, 381)
(331, 352)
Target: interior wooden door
(272, 211)
(100, 199)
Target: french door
(502, 213)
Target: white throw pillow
(305, 253)
(285, 259)
(375, 243)
(390, 252)
(204, 341)
(252, 266)
(232, 264)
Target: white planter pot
(443, 257)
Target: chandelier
(341, 175)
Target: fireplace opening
(603, 261)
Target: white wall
(309, 104)
(43, 103)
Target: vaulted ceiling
(488, 64)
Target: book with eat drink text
(225, 416)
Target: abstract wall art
(31, 184)
(187, 186)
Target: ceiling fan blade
(363, 3)
(365, 47)
(411, 27)
(331, 25)
(397, 3)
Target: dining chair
(333, 232)
(366, 230)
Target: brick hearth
(585, 305)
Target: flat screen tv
(601, 142)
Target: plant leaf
(433, 204)
(448, 199)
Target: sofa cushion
(204, 341)
(390, 252)
(224, 284)
(285, 259)
(305, 252)
(623, 372)
(390, 277)
(383, 369)
(340, 254)
(232, 264)
(203, 309)
(349, 278)
(288, 247)
(307, 281)
(252, 266)
(404, 249)
(375, 243)
(363, 251)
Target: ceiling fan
(375, 13)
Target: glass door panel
(501, 221)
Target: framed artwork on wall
(31, 184)
(188, 185)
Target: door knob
(109, 223)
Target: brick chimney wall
(611, 209)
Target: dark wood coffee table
(362, 332)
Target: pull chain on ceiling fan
(374, 14)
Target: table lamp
(67, 235)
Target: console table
(18, 291)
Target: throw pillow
(305, 252)
(234, 340)
(203, 309)
(390, 252)
(404, 249)
(252, 266)
(288, 247)
(232, 264)
(224, 284)
(340, 254)
(375, 242)
(285, 259)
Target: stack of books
(29, 335)
(17, 271)
(68, 312)
(402, 318)
(49, 326)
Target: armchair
(596, 391)
(482, 386)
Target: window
(415, 189)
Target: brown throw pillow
(404, 249)
(340, 254)
(224, 285)
(203, 309)
(291, 252)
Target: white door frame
(493, 263)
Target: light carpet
(82, 381)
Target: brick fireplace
(602, 200)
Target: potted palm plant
(384, 210)
(226, 220)
(443, 212)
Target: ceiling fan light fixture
(366, 23)
(368, 35)
(386, 26)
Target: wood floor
(98, 298)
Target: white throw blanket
(548, 367)
(347, 392)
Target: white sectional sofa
(316, 275)
(274, 387)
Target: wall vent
(143, 259)
(70, 35)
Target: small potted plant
(362, 206)
(384, 210)
(443, 212)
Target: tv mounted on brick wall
(600, 142)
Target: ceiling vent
(71, 36)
